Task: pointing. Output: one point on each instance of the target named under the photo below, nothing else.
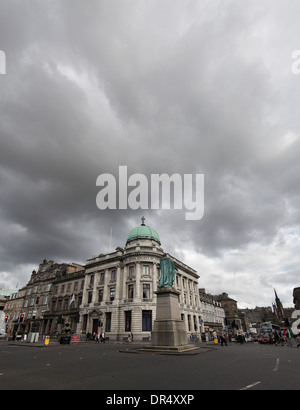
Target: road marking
(277, 365)
(250, 385)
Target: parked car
(265, 338)
(3, 336)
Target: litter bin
(65, 340)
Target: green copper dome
(143, 232)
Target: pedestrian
(276, 338)
(223, 340)
(215, 336)
(103, 337)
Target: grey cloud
(174, 87)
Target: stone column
(124, 279)
(138, 281)
(118, 283)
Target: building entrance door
(95, 326)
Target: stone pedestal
(168, 332)
(168, 329)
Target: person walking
(103, 337)
(276, 338)
(223, 340)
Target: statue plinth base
(168, 332)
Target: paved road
(104, 367)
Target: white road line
(250, 385)
(276, 366)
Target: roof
(143, 232)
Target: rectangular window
(100, 295)
(146, 270)
(113, 274)
(102, 277)
(128, 321)
(131, 270)
(130, 291)
(146, 291)
(90, 295)
(146, 320)
(107, 321)
(112, 294)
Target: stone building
(119, 292)
(67, 291)
(36, 307)
(232, 314)
(296, 298)
(213, 315)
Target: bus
(267, 332)
(268, 327)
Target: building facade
(39, 306)
(213, 315)
(119, 291)
(296, 298)
(232, 314)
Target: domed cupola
(143, 232)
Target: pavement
(132, 346)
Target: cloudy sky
(173, 86)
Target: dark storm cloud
(175, 87)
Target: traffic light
(21, 318)
(6, 318)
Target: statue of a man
(167, 272)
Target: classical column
(105, 288)
(155, 276)
(124, 279)
(95, 291)
(118, 284)
(138, 281)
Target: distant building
(213, 315)
(233, 317)
(258, 315)
(296, 298)
(33, 308)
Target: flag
(275, 311)
(72, 299)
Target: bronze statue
(167, 272)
